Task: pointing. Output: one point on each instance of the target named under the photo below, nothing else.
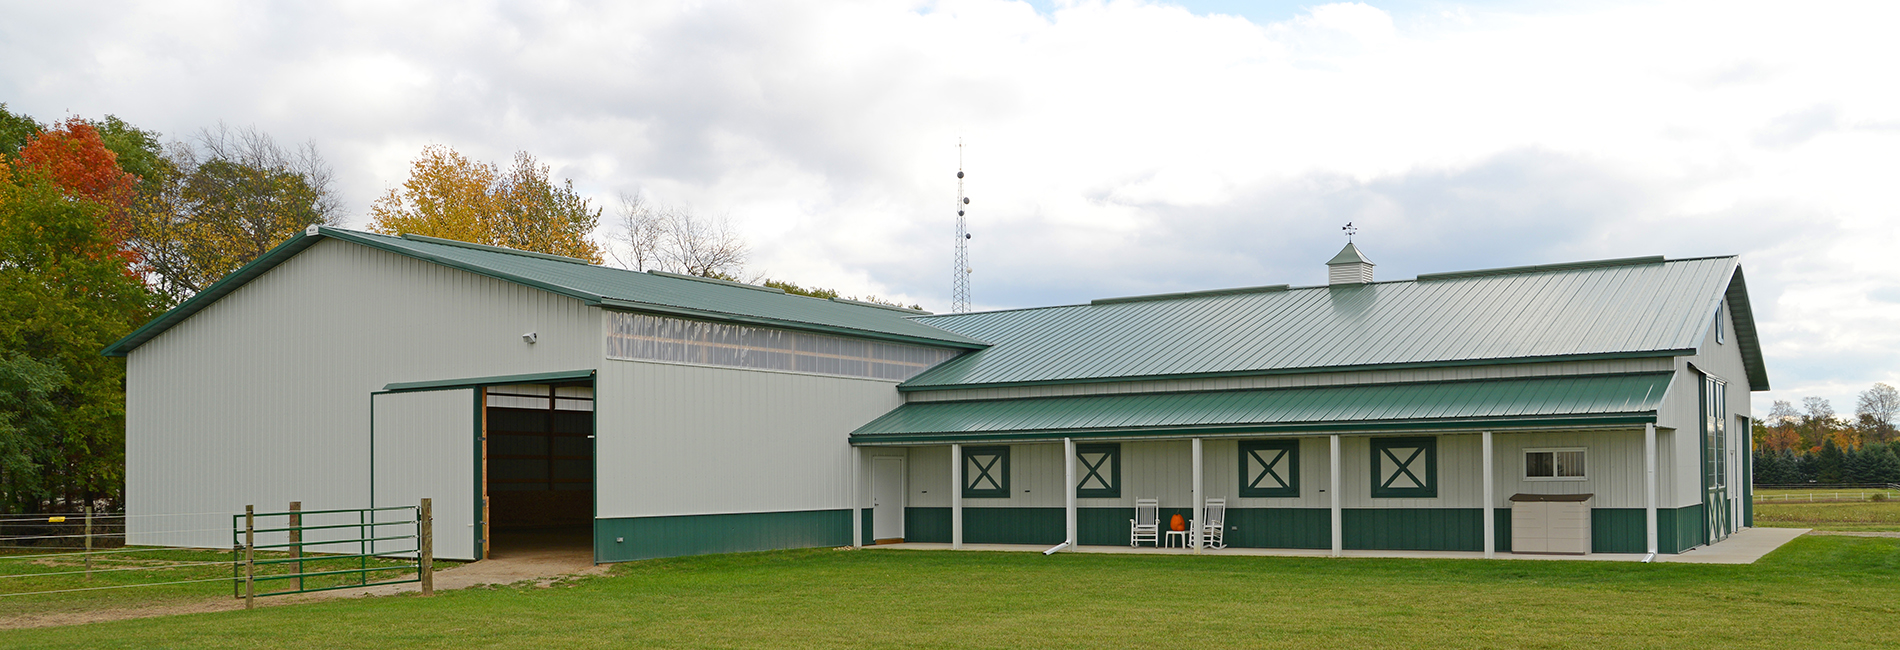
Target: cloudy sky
(1113, 148)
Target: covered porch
(1330, 470)
(1744, 547)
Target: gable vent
(1349, 267)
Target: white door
(887, 497)
(422, 444)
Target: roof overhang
(1745, 336)
(1578, 402)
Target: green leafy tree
(220, 201)
(67, 291)
(15, 131)
(27, 429)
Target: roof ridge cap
(492, 249)
(1543, 268)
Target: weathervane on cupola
(1350, 266)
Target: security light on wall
(529, 338)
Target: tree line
(104, 225)
(1815, 445)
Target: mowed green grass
(195, 574)
(1837, 515)
(1812, 593)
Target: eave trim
(531, 378)
(1461, 425)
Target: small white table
(1173, 535)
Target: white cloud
(1113, 147)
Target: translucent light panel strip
(654, 338)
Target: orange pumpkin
(1177, 523)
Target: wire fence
(64, 553)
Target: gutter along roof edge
(1410, 365)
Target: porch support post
(956, 496)
(1649, 485)
(1198, 500)
(1068, 474)
(857, 497)
(1490, 502)
(1339, 532)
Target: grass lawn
(1813, 593)
(1839, 515)
(29, 570)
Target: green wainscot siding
(1038, 526)
(1622, 530)
(927, 525)
(1279, 528)
(867, 538)
(1103, 526)
(1501, 528)
(651, 537)
(1414, 529)
(1690, 529)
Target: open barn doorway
(538, 469)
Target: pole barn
(1582, 407)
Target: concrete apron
(1743, 547)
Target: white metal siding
(263, 397)
(1613, 466)
(1682, 411)
(677, 439)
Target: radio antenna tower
(960, 287)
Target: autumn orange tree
(452, 196)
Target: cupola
(1348, 267)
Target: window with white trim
(1565, 464)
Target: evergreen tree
(1852, 466)
(1879, 464)
(1827, 464)
(1807, 468)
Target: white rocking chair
(1146, 526)
(1213, 524)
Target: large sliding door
(424, 444)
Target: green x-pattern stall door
(1404, 468)
(985, 472)
(1270, 468)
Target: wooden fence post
(88, 541)
(250, 557)
(296, 539)
(425, 546)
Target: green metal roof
(1348, 255)
(596, 285)
(1499, 404)
(1616, 308)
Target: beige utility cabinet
(1550, 523)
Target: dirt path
(541, 567)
